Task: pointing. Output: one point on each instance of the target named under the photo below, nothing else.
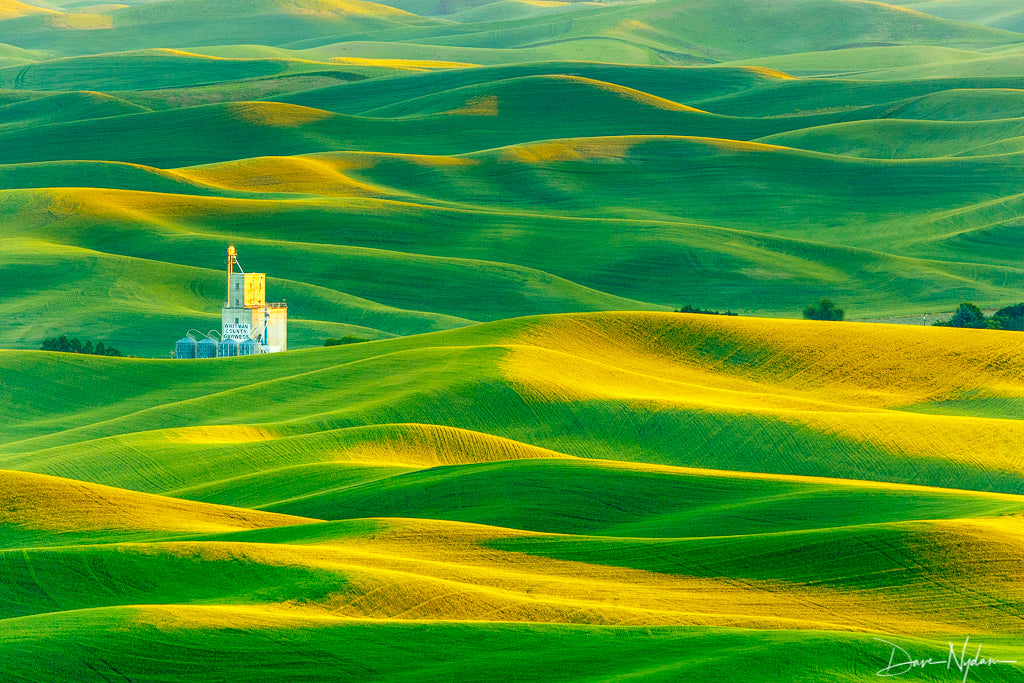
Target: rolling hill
(996, 13)
(355, 240)
(176, 23)
(531, 469)
(524, 165)
(389, 499)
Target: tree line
(75, 345)
(702, 311)
(966, 315)
(970, 316)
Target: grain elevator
(249, 324)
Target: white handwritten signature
(902, 663)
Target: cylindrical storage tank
(185, 348)
(248, 348)
(227, 348)
(206, 348)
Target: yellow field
(848, 380)
(12, 8)
(42, 503)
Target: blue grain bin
(185, 348)
(248, 348)
(206, 348)
(227, 348)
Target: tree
(967, 315)
(823, 310)
(1010, 318)
(60, 343)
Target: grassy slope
(995, 65)
(684, 31)
(642, 472)
(682, 84)
(689, 555)
(15, 56)
(826, 94)
(57, 108)
(585, 50)
(134, 70)
(274, 645)
(10, 9)
(682, 260)
(328, 287)
(178, 23)
(854, 228)
(179, 71)
(658, 242)
(901, 139)
(480, 117)
(1004, 14)
(861, 61)
(845, 425)
(57, 511)
(494, 115)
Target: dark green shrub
(331, 341)
(703, 311)
(823, 310)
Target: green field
(389, 196)
(533, 469)
(581, 488)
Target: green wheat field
(533, 469)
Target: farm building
(248, 323)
